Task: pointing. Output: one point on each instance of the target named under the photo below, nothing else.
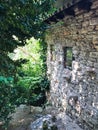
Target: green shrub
(6, 103)
(54, 127)
(31, 90)
(32, 82)
(45, 125)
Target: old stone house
(72, 60)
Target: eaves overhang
(68, 9)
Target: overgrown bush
(19, 21)
(32, 81)
(31, 91)
(6, 102)
(26, 83)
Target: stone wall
(76, 90)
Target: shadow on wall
(83, 96)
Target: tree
(19, 20)
(22, 19)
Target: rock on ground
(23, 120)
(62, 121)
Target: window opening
(68, 57)
(52, 52)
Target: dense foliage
(23, 19)
(19, 20)
(6, 102)
(32, 80)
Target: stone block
(36, 109)
(96, 27)
(84, 31)
(94, 21)
(90, 69)
(87, 15)
(90, 28)
(96, 72)
(90, 63)
(96, 65)
(66, 33)
(95, 40)
(92, 59)
(95, 5)
(85, 24)
(67, 74)
(94, 54)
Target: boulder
(44, 121)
